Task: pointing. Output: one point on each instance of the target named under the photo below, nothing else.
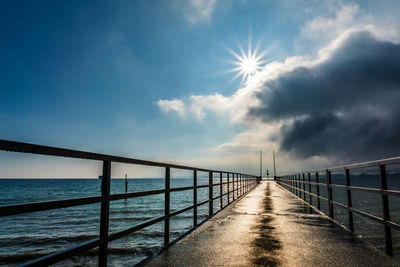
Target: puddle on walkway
(266, 245)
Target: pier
(271, 227)
(289, 221)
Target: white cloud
(323, 27)
(329, 33)
(198, 10)
(175, 105)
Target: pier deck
(271, 227)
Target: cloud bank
(343, 105)
(337, 106)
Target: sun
(247, 64)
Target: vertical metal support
(233, 187)
(240, 184)
(194, 198)
(167, 206)
(294, 191)
(349, 202)
(386, 212)
(317, 181)
(237, 186)
(228, 182)
(329, 188)
(304, 188)
(220, 190)
(105, 213)
(297, 191)
(294, 184)
(301, 187)
(210, 194)
(309, 189)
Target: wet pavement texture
(271, 227)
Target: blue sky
(91, 76)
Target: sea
(28, 236)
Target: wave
(23, 257)
(13, 258)
(39, 240)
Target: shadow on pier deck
(271, 227)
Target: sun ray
(247, 63)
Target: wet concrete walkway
(270, 227)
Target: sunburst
(247, 64)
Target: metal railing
(296, 184)
(237, 184)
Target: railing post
(386, 213)
(233, 187)
(241, 184)
(317, 181)
(304, 188)
(210, 194)
(105, 213)
(294, 190)
(237, 185)
(309, 189)
(299, 182)
(329, 188)
(167, 206)
(228, 182)
(194, 198)
(220, 189)
(349, 202)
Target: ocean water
(28, 236)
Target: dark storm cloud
(346, 106)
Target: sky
(161, 80)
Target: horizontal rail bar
(135, 228)
(376, 163)
(136, 194)
(203, 202)
(63, 254)
(355, 188)
(48, 205)
(362, 213)
(174, 213)
(13, 146)
(314, 195)
(176, 189)
(214, 198)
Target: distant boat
(100, 177)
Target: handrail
(238, 185)
(296, 184)
(13, 146)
